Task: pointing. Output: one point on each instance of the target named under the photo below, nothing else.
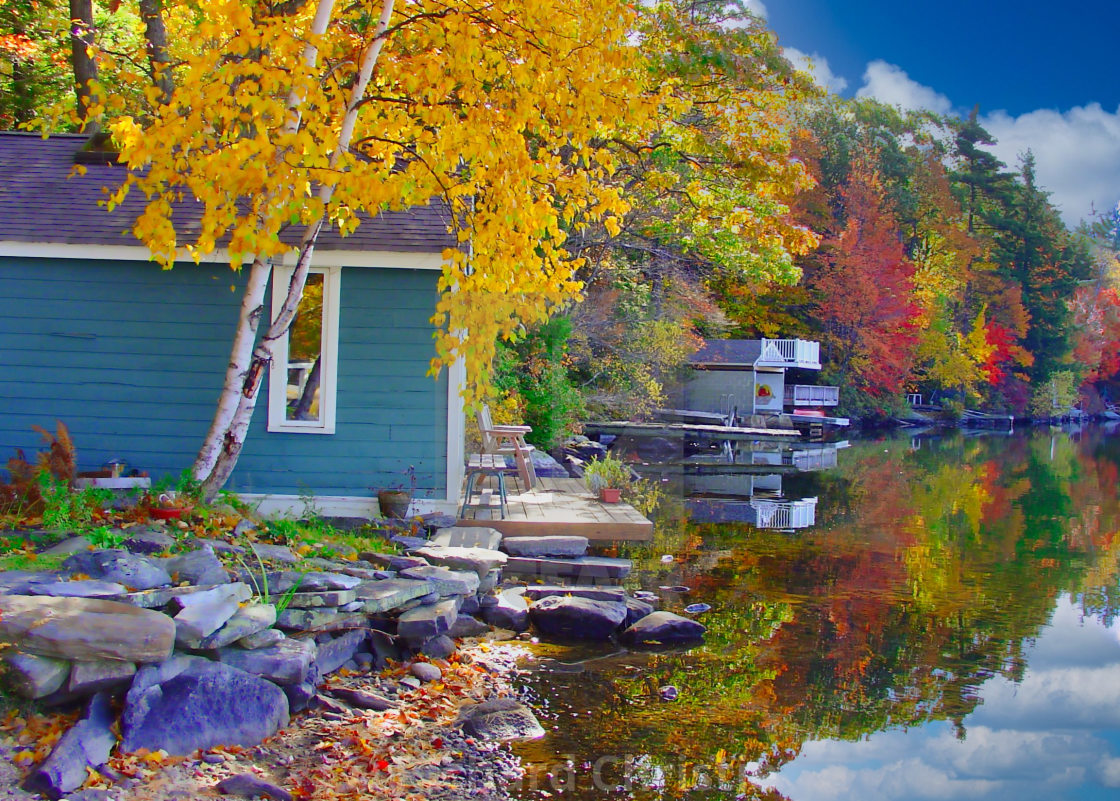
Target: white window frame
(328, 368)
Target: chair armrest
(512, 429)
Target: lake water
(947, 629)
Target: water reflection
(945, 630)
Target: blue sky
(1046, 77)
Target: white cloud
(890, 84)
(1077, 153)
(817, 66)
(756, 7)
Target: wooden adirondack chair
(508, 439)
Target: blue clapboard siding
(131, 358)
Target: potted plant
(394, 501)
(607, 477)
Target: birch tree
(320, 114)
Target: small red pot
(166, 513)
(610, 494)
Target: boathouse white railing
(819, 459)
(812, 395)
(791, 353)
(781, 514)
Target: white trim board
(322, 257)
(338, 505)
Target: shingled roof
(727, 353)
(41, 203)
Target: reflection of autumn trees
(931, 573)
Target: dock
(563, 506)
(700, 431)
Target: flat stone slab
(417, 626)
(87, 678)
(35, 676)
(277, 553)
(246, 621)
(453, 557)
(318, 620)
(568, 547)
(286, 662)
(85, 628)
(261, 639)
(381, 596)
(196, 567)
(316, 600)
(87, 744)
(282, 581)
(611, 594)
(162, 596)
(81, 588)
(468, 537)
(444, 581)
(135, 572)
(68, 546)
(585, 568)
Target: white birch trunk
(223, 443)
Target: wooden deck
(562, 506)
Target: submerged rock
(665, 628)
(577, 618)
(501, 719)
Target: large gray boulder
(665, 628)
(85, 629)
(574, 618)
(188, 703)
(86, 744)
(135, 572)
(500, 719)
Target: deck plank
(564, 506)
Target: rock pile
(205, 654)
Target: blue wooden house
(132, 357)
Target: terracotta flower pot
(610, 494)
(394, 503)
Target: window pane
(305, 351)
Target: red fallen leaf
(382, 764)
(437, 742)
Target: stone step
(585, 568)
(567, 547)
(468, 537)
(614, 594)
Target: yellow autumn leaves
(510, 112)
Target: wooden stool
(485, 495)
